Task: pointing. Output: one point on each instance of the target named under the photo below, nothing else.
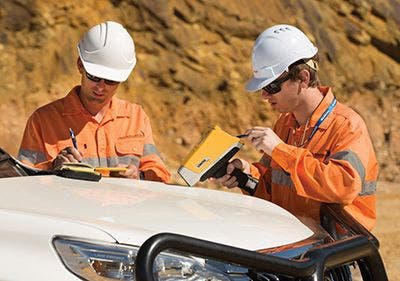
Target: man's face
(94, 91)
(287, 98)
(97, 92)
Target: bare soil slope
(387, 228)
(194, 59)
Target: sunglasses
(275, 86)
(98, 79)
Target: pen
(73, 138)
(242, 136)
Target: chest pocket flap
(130, 145)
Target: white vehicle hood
(131, 211)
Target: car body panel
(26, 250)
(131, 210)
(35, 209)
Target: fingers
(132, 172)
(71, 153)
(227, 180)
(232, 182)
(230, 168)
(236, 163)
(67, 155)
(77, 154)
(264, 139)
(223, 179)
(257, 132)
(59, 160)
(258, 144)
(242, 165)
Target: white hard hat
(274, 51)
(107, 51)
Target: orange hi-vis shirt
(124, 136)
(337, 165)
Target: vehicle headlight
(94, 260)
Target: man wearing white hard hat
(319, 149)
(90, 124)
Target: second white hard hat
(274, 51)
(107, 51)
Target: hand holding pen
(68, 154)
(264, 139)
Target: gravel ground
(387, 229)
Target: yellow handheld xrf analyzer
(210, 157)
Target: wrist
(245, 166)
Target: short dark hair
(296, 67)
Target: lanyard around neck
(320, 120)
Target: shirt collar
(290, 120)
(117, 109)
(73, 104)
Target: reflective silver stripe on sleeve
(280, 177)
(91, 161)
(349, 156)
(126, 160)
(265, 161)
(150, 148)
(368, 188)
(112, 161)
(31, 156)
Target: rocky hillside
(194, 59)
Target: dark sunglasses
(98, 79)
(275, 86)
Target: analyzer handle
(246, 181)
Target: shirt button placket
(101, 146)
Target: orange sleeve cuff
(254, 171)
(154, 169)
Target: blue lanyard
(321, 119)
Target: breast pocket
(130, 145)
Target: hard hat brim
(108, 73)
(256, 84)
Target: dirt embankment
(194, 59)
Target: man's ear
(304, 76)
(79, 64)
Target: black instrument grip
(245, 181)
